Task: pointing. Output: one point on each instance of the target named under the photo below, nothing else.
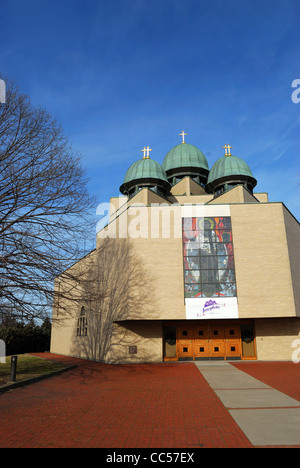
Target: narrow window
(82, 323)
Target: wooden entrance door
(209, 340)
(201, 341)
(233, 341)
(185, 342)
(216, 341)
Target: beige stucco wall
(277, 339)
(62, 335)
(237, 194)
(262, 261)
(145, 335)
(293, 243)
(67, 305)
(155, 236)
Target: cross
(146, 150)
(227, 150)
(183, 135)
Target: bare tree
(44, 205)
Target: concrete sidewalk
(266, 416)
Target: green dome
(184, 155)
(145, 173)
(145, 169)
(227, 166)
(230, 169)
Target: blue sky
(123, 74)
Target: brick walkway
(97, 405)
(283, 376)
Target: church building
(193, 264)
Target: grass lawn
(28, 367)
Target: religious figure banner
(209, 271)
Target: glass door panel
(248, 344)
(170, 342)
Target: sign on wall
(208, 259)
(211, 308)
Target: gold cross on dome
(148, 149)
(227, 150)
(146, 152)
(183, 135)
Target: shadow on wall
(115, 289)
(272, 327)
(137, 342)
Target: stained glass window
(208, 257)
